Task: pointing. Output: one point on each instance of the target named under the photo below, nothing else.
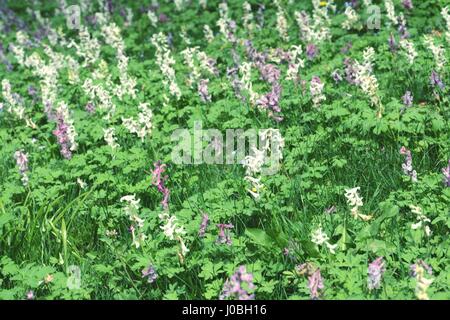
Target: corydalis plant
(224, 236)
(320, 238)
(316, 90)
(65, 131)
(159, 180)
(407, 165)
(375, 272)
(315, 284)
(22, 163)
(142, 127)
(150, 273)
(203, 225)
(418, 271)
(355, 201)
(239, 286)
(137, 223)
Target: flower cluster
(422, 220)
(409, 50)
(418, 271)
(65, 131)
(375, 272)
(165, 61)
(407, 100)
(281, 22)
(407, 165)
(111, 33)
(268, 139)
(315, 284)
(446, 15)
(239, 286)
(142, 127)
(137, 223)
(320, 238)
(159, 180)
(203, 225)
(355, 201)
(150, 273)
(390, 9)
(316, 89)
(352, 18)
(174, 231)
(22, 163)
(109, 137)
(366, 80)
(224, 236)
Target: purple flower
(402, 29)
(150, 273)
(239, 286)
(270, 73)
(62, 136)
(311, 51)
(435, 80)
(159, 181)
(90, 107)
(422, 264)
(336, 76)
(203, 225)
(375, 272)
(315, 283)
(224, 236)
(407, 165)
(203, 90)
(392, 43)
(350, 71)
(271, 100)
(163, 18)
(408, 4)
(407, 100)
(446, 173)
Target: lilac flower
(435, 80)
(224, 236)
(402, 29)
(159, 182)
(350, 71)
(375, 272)
(270, 73)
(407, 165)
(315, 283)
(22, 163)
(239, 286)
(62, 135)
(420, 263)
(407, 101)
(203, 225)
(90, 107)
(203, 90)
(392, 43)
(311, 51)
(336, 76)
(407, 4)
(30, 295)
(446, 173)
(150, 273)
(163, 18)
(271, 100)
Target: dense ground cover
(354, 95)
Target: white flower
(422, 220)
(320, 238)
(110, 138)
(81, 183)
